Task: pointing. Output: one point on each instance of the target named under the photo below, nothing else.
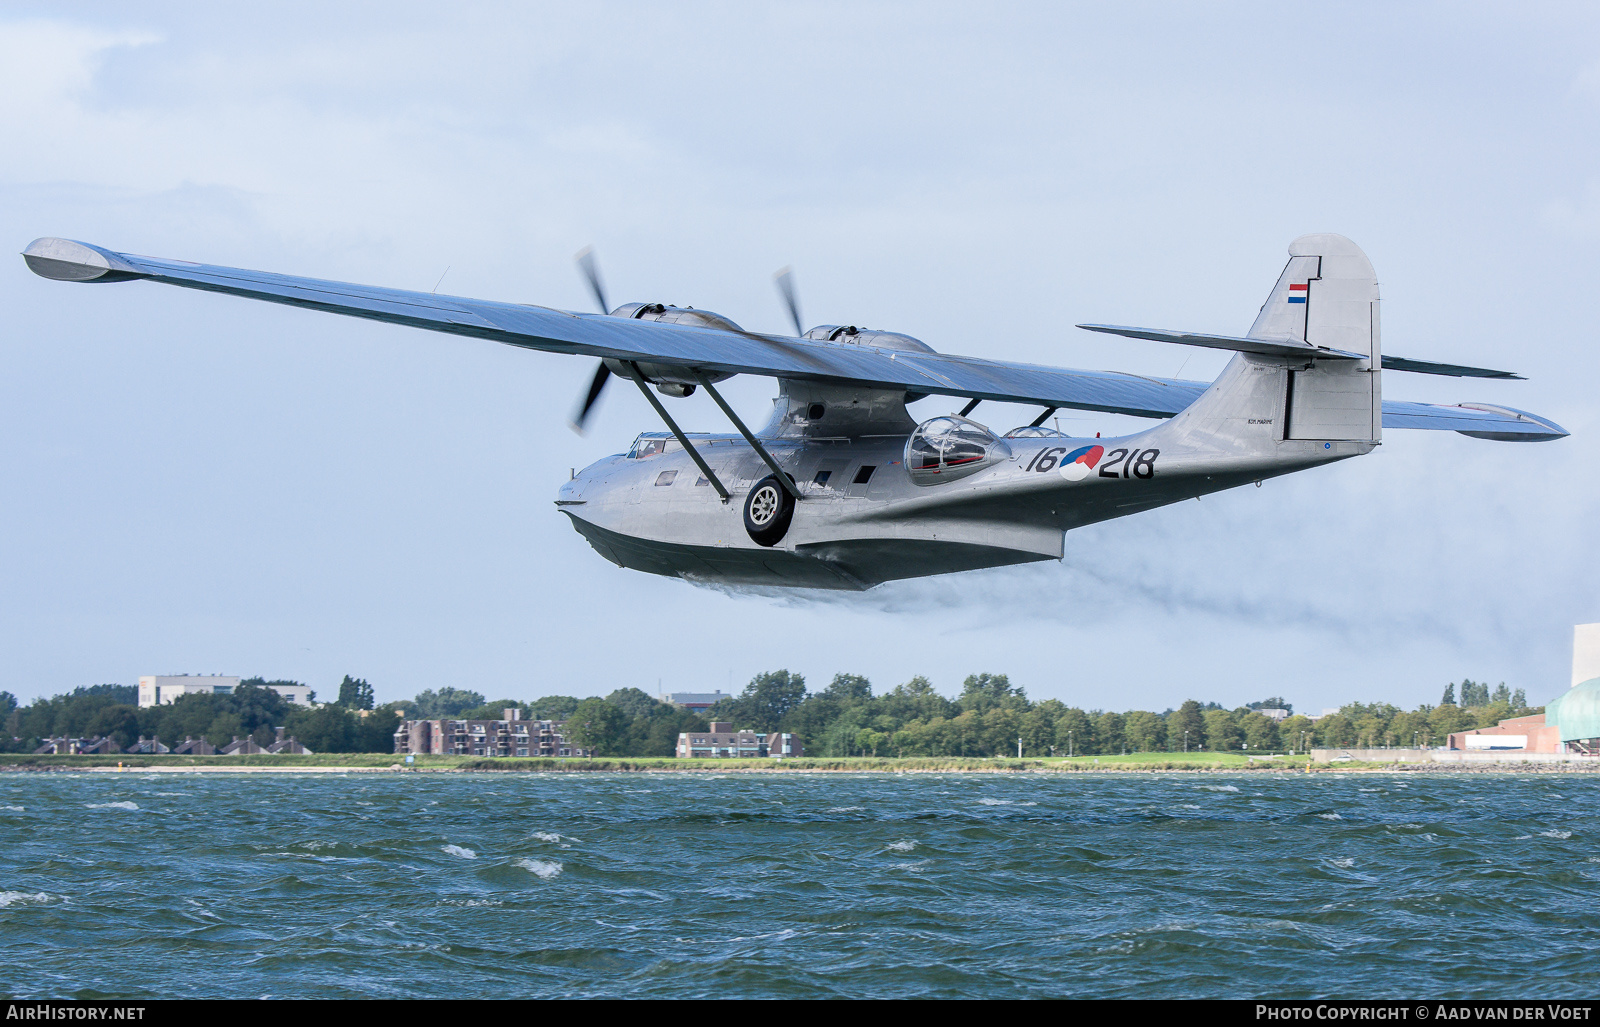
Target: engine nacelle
(868, 337)
(676, 315)
(669, 379)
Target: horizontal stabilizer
(1479, 420)
(1296, 348)
(1261, 347)
(1453, 370)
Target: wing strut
(1042, 417)
(694, 454)
(967, 410)
(782, 476)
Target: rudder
(1328, 296)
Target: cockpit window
(946, 448)
(1035, 431)
(644, 446)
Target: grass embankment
(1143, 761)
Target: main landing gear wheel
(767, 512)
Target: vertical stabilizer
(1328, 296)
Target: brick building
(723, 742)
(511, 736)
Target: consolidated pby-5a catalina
(842, 488)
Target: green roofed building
(1577, 713)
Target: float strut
(782, 476)
(694, 454)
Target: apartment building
(510, 736)
(723, 742)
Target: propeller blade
(580, 415)
(785, 282)
(591, 272)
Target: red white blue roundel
(1076, 465)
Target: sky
(202, 484)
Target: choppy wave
(938, 886)
(546, 868)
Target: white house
(156, 690)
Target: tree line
(988, 718)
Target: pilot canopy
(946, 448)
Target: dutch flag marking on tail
(1297, 292)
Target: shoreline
(382, 764)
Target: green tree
(1186, 727)
(495, 709)
(635, 702)
(1222, 731)
(1261, 732)
(765, 702)
(1039, 727)
(1446, 719)
(849, 689)
(1449, 695)
(1297, 732)
(8, 702)
(555, 707)
(983, 692)
(355, 694)
(1145, 731)
(1274, 703)
(1108, 734)
(328, 728)
(1074, 733)
(118, 721)
(445, 704)
(917, 699)
(375, 731)
(596, 725)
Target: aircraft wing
(599, 335)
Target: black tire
(768, 509)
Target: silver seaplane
(842, 488)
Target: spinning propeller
(597, 384)
(784, 278)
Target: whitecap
(1217, 788)
(844, 809)
(1344, 861)
(1522, 837)
(14, 809)
(16, 898)
(1005, 802)
(456, 850)
(1329, 816)
(1187, 805)
(1556, 834)
(1369, 789)
(111, 805)
(545, 868)
(546, 836)
(471, 902)
(172, 795)
(905, 846)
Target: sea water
(799, 885)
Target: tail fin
(1328, 296)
